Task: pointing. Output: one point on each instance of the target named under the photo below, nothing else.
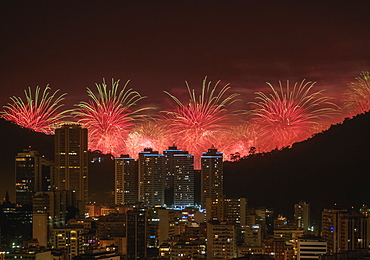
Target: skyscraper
(179, 178)
(33, 173)
(344, 231)
(71, 160)
(302, 215)
(221, 240)
(126, 180)
(151, 171)
(230, 210)
(136, 234)
(211, 175)
(50, 209)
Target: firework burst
(240, 139)
(109, 116)
(151, 134)
(356, 99)
(291, 115)
(194, 125)
(39, 112)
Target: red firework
(40, 113)
(356, 99)
(109, 117)
(293, 115)
(240, 139)
(151, 134)
(194, 125)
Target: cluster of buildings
(164, 209)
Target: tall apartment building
(33, 173)
(344, 231)
(151, 174)
(169, 173)
(50, 209)
(71, 161)
(179, 177)
(70, 240)
(136, 234)
(126, 180)
(211, 175)
(302, 215)
(166, 225)
(230, 210)
(221, 240)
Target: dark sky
(160, 44)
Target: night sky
(159, 45)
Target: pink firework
(356, 99)
(291, 115)
(151, 134)
(39, 112)
(109, 116)
(240, 139)
(195, 124)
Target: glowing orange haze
(286, 114)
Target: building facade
(211, 175)
(302, 215)
(310, 249)
(33, 173)
(136, 234)
(221, 241)
(71, 161)
(151, 174)
(344, 231)
(126, 180)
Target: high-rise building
(344, 231)
(112, 225)
(166, 225)
(151, 174)
(179, 178)
(126, 180)
(51, 209)
(136, 234)
(302, 215)
(231, 210)
(71, 161)
(70, 239)
(33, 173)
(211, 175)
(169, 173)
(15, 224)
(221, 240)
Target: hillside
(332, 167)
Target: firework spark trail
(356, 100)
(109, 116)
(240, 139)
(292, 115)
(151, 134)
(40, 113)
(195, 124)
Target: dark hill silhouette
(332, 167)
(13, 140)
